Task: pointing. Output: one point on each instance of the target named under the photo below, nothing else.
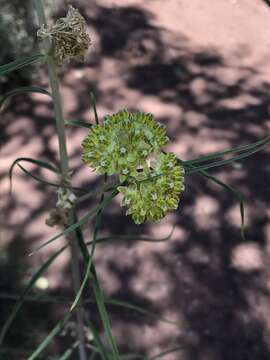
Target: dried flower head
(58, 217)
(155, 190)
(123, 143)
(68, 36)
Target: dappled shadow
(209, 280)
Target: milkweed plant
(127, 147)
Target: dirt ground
(202, 68)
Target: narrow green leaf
(103, 314)
(23, 297)
(35, 177)
(27, 289)
(50, 337)
(22, 90)
(39, 179)
(74, 226)
(79, 123)
(89, 264)
(166, 352)
(20, 63)
(88, 258)
(100, 189)
(97, 340)
(139, 309)
(93, 100)
(37, 298)
(134, 238)
(67, 354)
(235, 193)
(230, 189)
(99, 295)
(43, 181)
(85, 278)
(223, 162)
(39, 163)
(235, 150)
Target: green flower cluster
(155, 190)
(123, 143)
(68, 36)
(129, 144)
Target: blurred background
(202, 68)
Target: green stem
(60, 122)
(60, 127)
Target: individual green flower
(68, 36)
(123, 143)
(155, 190)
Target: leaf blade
(79, 123)
(23, 90)
(79, 223)
(20, 63)
(28, 288)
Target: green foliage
(23, 90)
(128, 145)
(20, 63)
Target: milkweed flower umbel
(130, 146)
(155, 190)
(68, 36)
(123, 143)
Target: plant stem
(60, 127)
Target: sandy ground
(202, 68)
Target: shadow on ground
(206, 277)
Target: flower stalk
(60, 127)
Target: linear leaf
(97, 340)
(223, 162)
(235, 193)
(166, 352)
(99, 295)
(27, 289)
(40, 163)
(20, 63)
(134, 238)
(235, 150)
(89, 264)
(103, 314)
(50, 337)
(39, 179)
(78, 123)
(67, 354)
(93, 101)
(23, 90)
(139, 309)
(80, 222)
